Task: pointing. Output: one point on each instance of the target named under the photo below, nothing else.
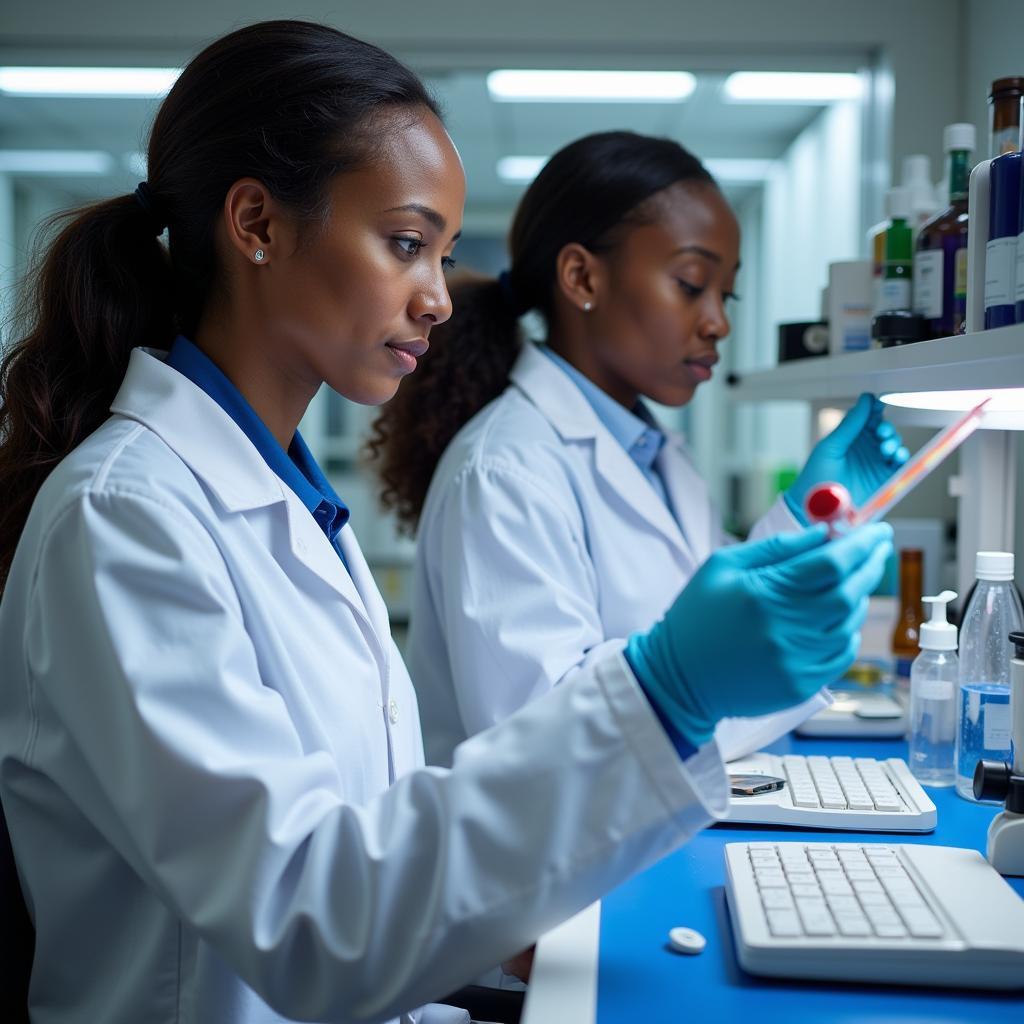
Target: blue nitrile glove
(760, 627)
(861, 454)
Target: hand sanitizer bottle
(934, 677)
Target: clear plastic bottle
(934, 676)
(983, 716)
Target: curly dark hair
(584, 192)
(288, 102)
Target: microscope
(997, 780)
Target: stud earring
(587, 307)
(258, 255)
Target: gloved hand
(760, 627)
(861, 454)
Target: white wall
(993, 31)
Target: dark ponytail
(290, 103)
(584, 193)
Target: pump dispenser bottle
(934, 677)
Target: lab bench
(612, 964)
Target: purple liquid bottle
(940, 256)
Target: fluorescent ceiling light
(43, 81)
(526, 86)
(739, 170)
(55, 161)
(792, 86)
(1000, 400)
(519, 169)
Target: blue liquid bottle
(983, 716)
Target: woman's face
(354, 304)
(660, 311)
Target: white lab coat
(207, 754)
(542, 547)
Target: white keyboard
(914, 914)
(853, 793)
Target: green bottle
(898, 269)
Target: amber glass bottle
(908, 622)
(1004, 101)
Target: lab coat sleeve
(515, 590)
(151, 714)
(778, 519)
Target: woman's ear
(253, 223)
(580, 276)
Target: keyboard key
(890, 931)
(784, 923)
(837, 886)
(882, 915)
(873, 899)
(854, 926)
(769, 878)
(802, 877)
(860, 875)
(843, 904)
(777, 899)
(805, 890)
(922, 924)
(815, 917)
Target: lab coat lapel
(216, 449)
(688, 494)
(366, 587)
(568, 411)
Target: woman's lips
(701, 367)
(407, 352)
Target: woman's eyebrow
(427, 212)
(701, 251)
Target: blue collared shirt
(635, 431)
(642, 441)
(296, 468)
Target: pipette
(826, 499)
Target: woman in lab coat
(210, 754)
(562, 518)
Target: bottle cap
(994, 565)
(937, 634)
(1013, 86)
(898, 327)
(898, 203)
(917, 171)
(1017, 639)
(959, 136)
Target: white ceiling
(483, 130)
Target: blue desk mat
(640, 980)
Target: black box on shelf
(800, 340)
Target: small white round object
(686, 940)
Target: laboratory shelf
(986, 359)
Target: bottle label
(896, 293)
(1000, 271)
(960, 276)
(934, 689)
(1020, 268)
(928, 283)
(997, 726)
